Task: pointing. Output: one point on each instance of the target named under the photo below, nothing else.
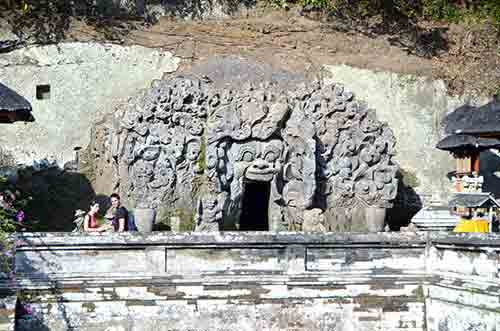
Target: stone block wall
(466, 288)
(259, 281)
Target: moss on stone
(371, 301)
(187, 219)
(202, 158)
(163, 215)
(130, 303)
(389, 303)
(409, 178)
(164, 219)
(419, 293)
(90, 306)
(198, 185)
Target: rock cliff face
(65, 86)
(252, 156)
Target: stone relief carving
(209, 212)
(321, 153)
(314, 220)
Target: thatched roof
(473, 200)
(463, 141)
(13, 107)
(474, 120)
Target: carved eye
(271, 156)
(247, 157)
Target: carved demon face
(256, 160)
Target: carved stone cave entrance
(255, 207)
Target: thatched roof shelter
(474, 120)
(473, 200)
(13, 107)
(462, 141)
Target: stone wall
(86, 81)
(465, 292)
(259, 281)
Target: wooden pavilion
(472, 130)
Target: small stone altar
(255, 157)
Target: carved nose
(260, 164)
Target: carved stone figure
(208, 215)
(314, 221)
(79, 219)
(311, 159)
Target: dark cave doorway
(255, 209)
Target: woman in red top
(90, 221)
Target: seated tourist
(90, 222)
(117, 214)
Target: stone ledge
(130, 239)
(229, 238)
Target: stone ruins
(259, 157)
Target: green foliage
(7, 216)
(451, 11)
(21, 201)
(6, 254)
(394, 10)
(55, 195)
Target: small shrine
(466, 150)
(472, 130)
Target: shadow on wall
(489, 164)
(56, 194)
(407, 202)
(29, 316)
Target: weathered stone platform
(259, 281)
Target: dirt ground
(468, 63)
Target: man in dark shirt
(120, 214)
